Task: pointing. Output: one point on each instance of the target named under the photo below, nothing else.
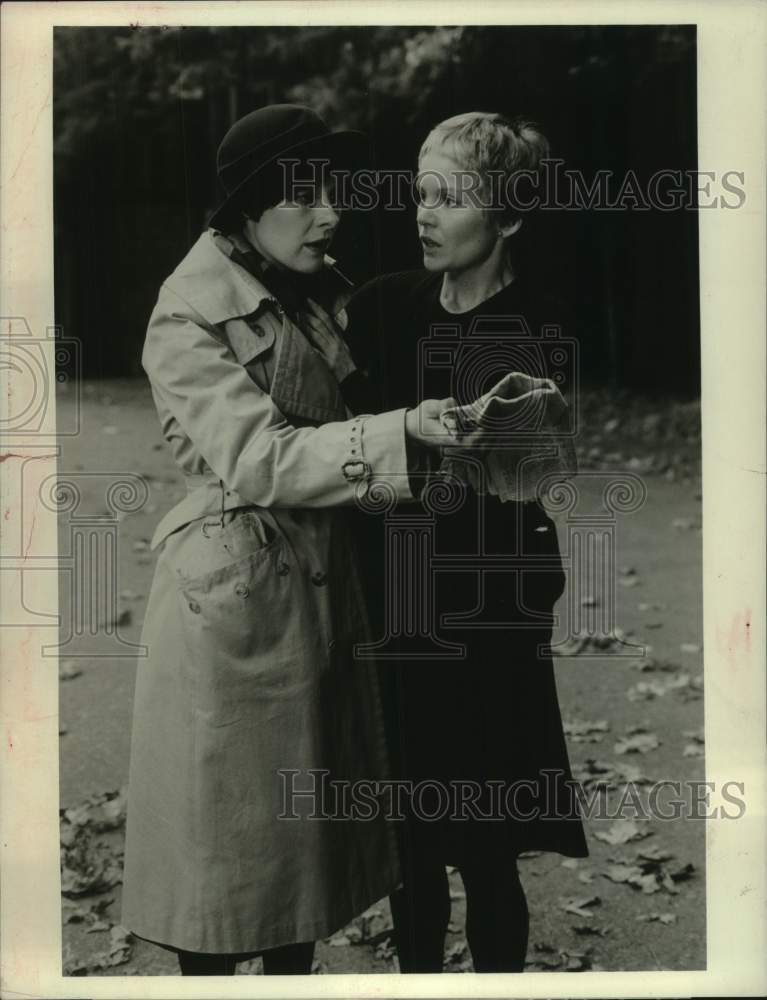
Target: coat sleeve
(244, 437)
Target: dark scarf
(289, 288)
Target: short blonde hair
(492, 146)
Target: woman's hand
(424, 424)
(326, 338)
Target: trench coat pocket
(234, 585)
(206, 547)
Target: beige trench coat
(252, 617)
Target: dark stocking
(421, 913)
(497, 919)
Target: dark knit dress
(486, 725)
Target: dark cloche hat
(273, 132)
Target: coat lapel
(230, 297)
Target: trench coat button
(241, 590)
(259, 331)
(283, 568)
(319, 579)
(194, 607)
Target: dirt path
(657, 601)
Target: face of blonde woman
(296, 233)
(456, 233)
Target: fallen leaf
(580, 731)
(73, 914)
(623, 831)
(654, 853)
(648, 665)
(98, 927)
(339, 941)
(648, 872)
(385, 950)
(578, 906)
(119, 953)
(640, 743)
(598, 772)
(590, 930)
(69, 670)
(684, 524)
(569, 863)
(692, 690)
(97, 908)
(684, 873)
(663, 918)
(690, 647)
(544, 947)
(646, 691)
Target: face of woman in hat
(296, 232)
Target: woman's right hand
(423, 424)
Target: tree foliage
(139, 112)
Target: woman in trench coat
(249, 699)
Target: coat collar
(215, 285)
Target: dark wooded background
(139, 113)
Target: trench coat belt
(194, 481)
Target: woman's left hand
(327, 339)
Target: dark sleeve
(362, 391)
(359, 394)
(374, 313)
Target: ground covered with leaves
(632, 704)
